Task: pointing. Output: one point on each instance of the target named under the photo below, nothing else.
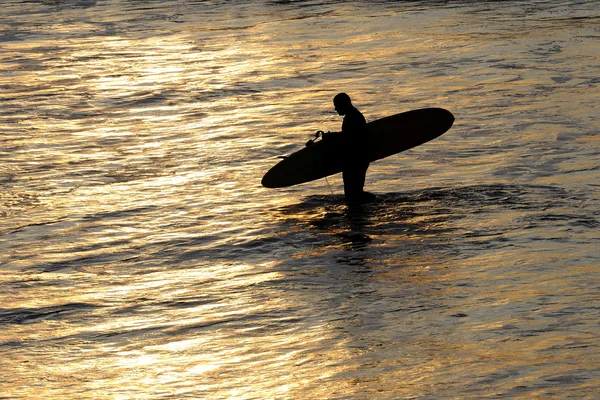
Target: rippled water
(141, 258)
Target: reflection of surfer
(356, 152)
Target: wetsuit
(356, 153)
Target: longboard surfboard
(386, 136)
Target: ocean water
(140, 258)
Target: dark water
(141, 258)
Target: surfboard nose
(440, 117)
(448, 116)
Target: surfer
(356, 152)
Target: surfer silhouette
(355, 149)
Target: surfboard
(387, 136)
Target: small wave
(38, 314)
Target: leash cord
(329, 186)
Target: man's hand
(320, 134)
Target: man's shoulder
(356, 115)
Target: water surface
(141, 258)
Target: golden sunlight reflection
(141, 257)
(290, 364)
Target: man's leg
(354, 182)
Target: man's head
(342, 103)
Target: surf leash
(329, 186)
(320, 134)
